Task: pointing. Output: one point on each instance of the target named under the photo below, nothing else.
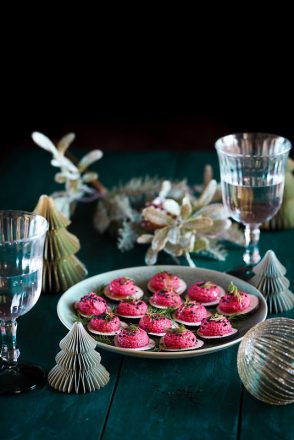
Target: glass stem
(9, 352)
(251, 255)
(189, 260)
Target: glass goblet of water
(22, 237)
(252, 168)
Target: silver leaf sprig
(75, 177)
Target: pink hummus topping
(105, 323)
(234, 300)
(91, 304)
(164, 280)
(166, 298)
(215, 325)
(155, 323)
(191, 311)
(204, 292)
(179, 338)
(132, 337)
(132, 308)
(123, 287)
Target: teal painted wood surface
(176, 399)
(260, 420)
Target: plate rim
(153, 354)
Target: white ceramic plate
(141, 275)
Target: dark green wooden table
(181, 399)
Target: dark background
(142, 107)
(147, 79)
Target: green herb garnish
(128, 299)
(103, 339)
(84, 320)
(207, 285)
(131, 328)
(217, 317)
(178, 330)
(109, 315)
(100, 290)
(166, 313)
(237, 317)
(233, 290)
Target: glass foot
(21, 378)
(243, 272)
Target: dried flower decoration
(180, 229)
(207, 177)
(74, 176)
(168, 216)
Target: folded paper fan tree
(78, 366)
(270, 279)
(284, 219)
(61, 268)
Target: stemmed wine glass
(252, 168)
(22, 237)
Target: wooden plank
(263, 421)
(47, 413)
(260, 420)
(176, 399)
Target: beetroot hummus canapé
(134, 338)
(190, 313)
(166, 281)
(107, 324)
(236, 302)
(205, 292)
(215, 327)
(130, 308)
(164, 299)
(91, 304)
(123, 287)
(180, 339)
(155, 323)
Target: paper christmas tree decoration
(284, 219)
(270, 280)
(78, 366)
(61, 268)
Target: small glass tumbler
(252, 168)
